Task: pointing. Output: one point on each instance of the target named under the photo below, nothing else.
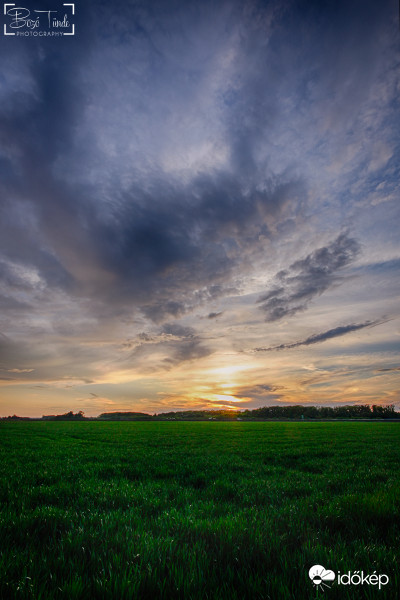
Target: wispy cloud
(305, 279)
(317, 338)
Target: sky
(199, 207)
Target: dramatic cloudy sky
(199, 207)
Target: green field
(197, 510)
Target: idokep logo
(24, 22)
(321, 576)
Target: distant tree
(125, 416)
(69, 416)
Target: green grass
(196, 510)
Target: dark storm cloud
(322, 337)
(151, 242)
(179, 331)
(183, 235)
(160, 311)
(174, 343)
(155, 243)
(148, 246)
(188, 345)
(308, 278)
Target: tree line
(297, 412)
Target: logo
(320, 576)
(22, 22)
